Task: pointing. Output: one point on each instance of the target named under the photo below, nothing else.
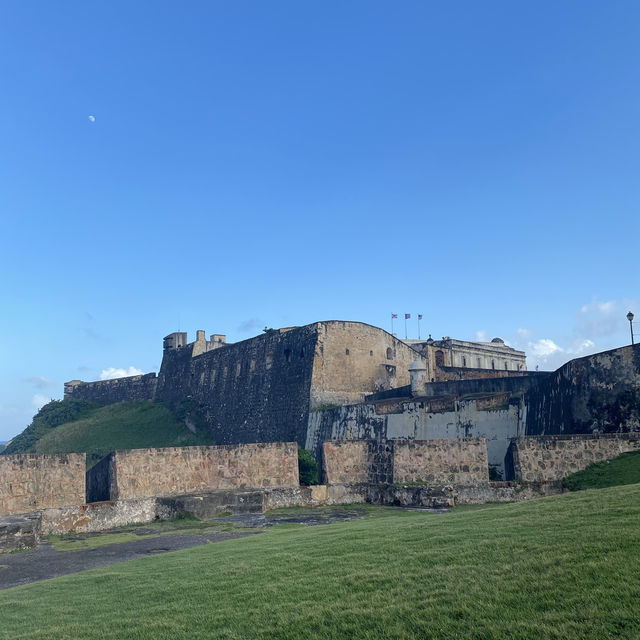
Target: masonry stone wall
(548, 458)
(139, 473)
(459, 461)
(595, 394)
(497, 417)
(452, 461)
(353, 359)
(30, 481)
(128, 389)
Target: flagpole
(419, 326)
(405, 326)
(392, 324)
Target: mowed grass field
(560, 567)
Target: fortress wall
(496, 417)
(140, 473)
(440, 461)
(256, 390)
(345, 378)
(30, 481)
(547, 458)
(131, 388)
(595, 394)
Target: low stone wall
(99, 516)
(438, 461)
(314, 496)
(30, 481)
(446, 460)
(19, 532)
(548, 458)
(346, 461)
(140, 473)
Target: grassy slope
(560, 567)
(128, 425)
(622, 470)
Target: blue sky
(277, 163)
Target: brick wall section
(442, 461)
(346, 461)
(32, 481)
(547, 458)
(140, 473)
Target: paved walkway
(45, 562)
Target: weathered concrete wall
(128, 389)
(459, 461)
(595, 394)
(30, 481)
(547, 458)
(174, 471)
(353, 359)
(496, 417)
(445, 461)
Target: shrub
(307, 467)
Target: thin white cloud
(544, 348)
(524, 333)
(113, 372)
(39, 382)
(481, 336)
(92, 118)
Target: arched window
(389, 353)
(464, 361)
(346, 351)
(439, 358)
(493, 364)
(506, 365)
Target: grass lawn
(561, 567)
(624, 469)
(127, 425)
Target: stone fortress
(349, 380)
(391, 421)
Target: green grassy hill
(562, 568)
(624, 469)
(67, 426)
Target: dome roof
(498, 340)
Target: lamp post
(630, 319)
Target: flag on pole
(419, 316)
(394, 315)
(407, 316)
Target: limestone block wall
(128, 389)
(445, 461)
(353, 359)
(346, 461)
(139, 473)
(440, 461)
(30, 481)
(547, 458)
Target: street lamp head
(630, 316)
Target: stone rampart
(548, 458)
(595, 394)
(30, 481)
(140, 473)
(436, 462)
(128, 389)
